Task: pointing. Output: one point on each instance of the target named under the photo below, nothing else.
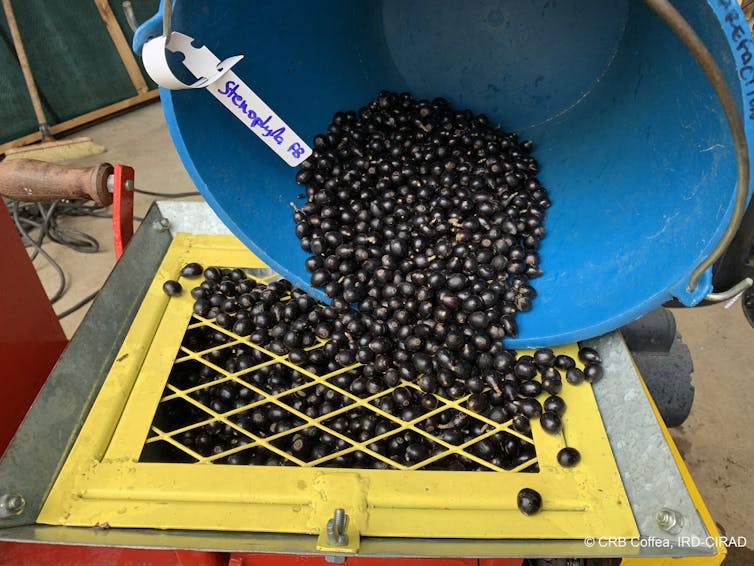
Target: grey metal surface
(192, 218)
(305, 544)
(646, 465)
(39, 448)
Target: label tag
(216, 76)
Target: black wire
(167, 195)
(77, 306)
(40, 221)
(38, 249)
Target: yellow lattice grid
(104, 481)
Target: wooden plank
(84, 119)
(121, 44)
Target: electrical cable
(39, 222)
(77, 306)
(167, 195)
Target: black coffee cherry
(192, 270)
(554, 405)
(587, 355)
(544, 357)
(201, 307)
(525, 369)
(574, 375)
(172, 288)
(320, 277)
(529, 388)
(212, 274)
(550, 422)
(568, 457)
(416, 452)
(521, 424)
(552, 386)
(477, 403)
(529, 501)
(564, 362)
(530, 408)
(503, 361)
(479, 320)
(593, 372)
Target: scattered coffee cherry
(172, 288)
(192, 270)
(550, 422)
(568, 457)
(529, 501)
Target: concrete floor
(716, 441)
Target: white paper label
(228, 88)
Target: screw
(11, 505)
(336, 528)
(669, 520)
(161, 225)
(128, 184)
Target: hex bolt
(336, 528)
(670, 520)
(161, 225)
(11, 505)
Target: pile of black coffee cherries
(428, 221)
(321, 340)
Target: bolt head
(670, 521)
(15, 503)
(11, 504)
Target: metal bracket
(123, 207)
(339, 538)
(337, 492)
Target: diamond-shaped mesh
(229, 400)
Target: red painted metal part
(12, 553)
(31, 339)
(123, 207)
(254, 559)
(16, 554)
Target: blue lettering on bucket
(255, 121)
(743, 49)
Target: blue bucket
(633, 145)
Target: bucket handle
(694, 44)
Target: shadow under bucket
(633, 145)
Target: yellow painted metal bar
(104, 481)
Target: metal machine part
(139, 457)
(652, 474)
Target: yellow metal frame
(103, 481)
